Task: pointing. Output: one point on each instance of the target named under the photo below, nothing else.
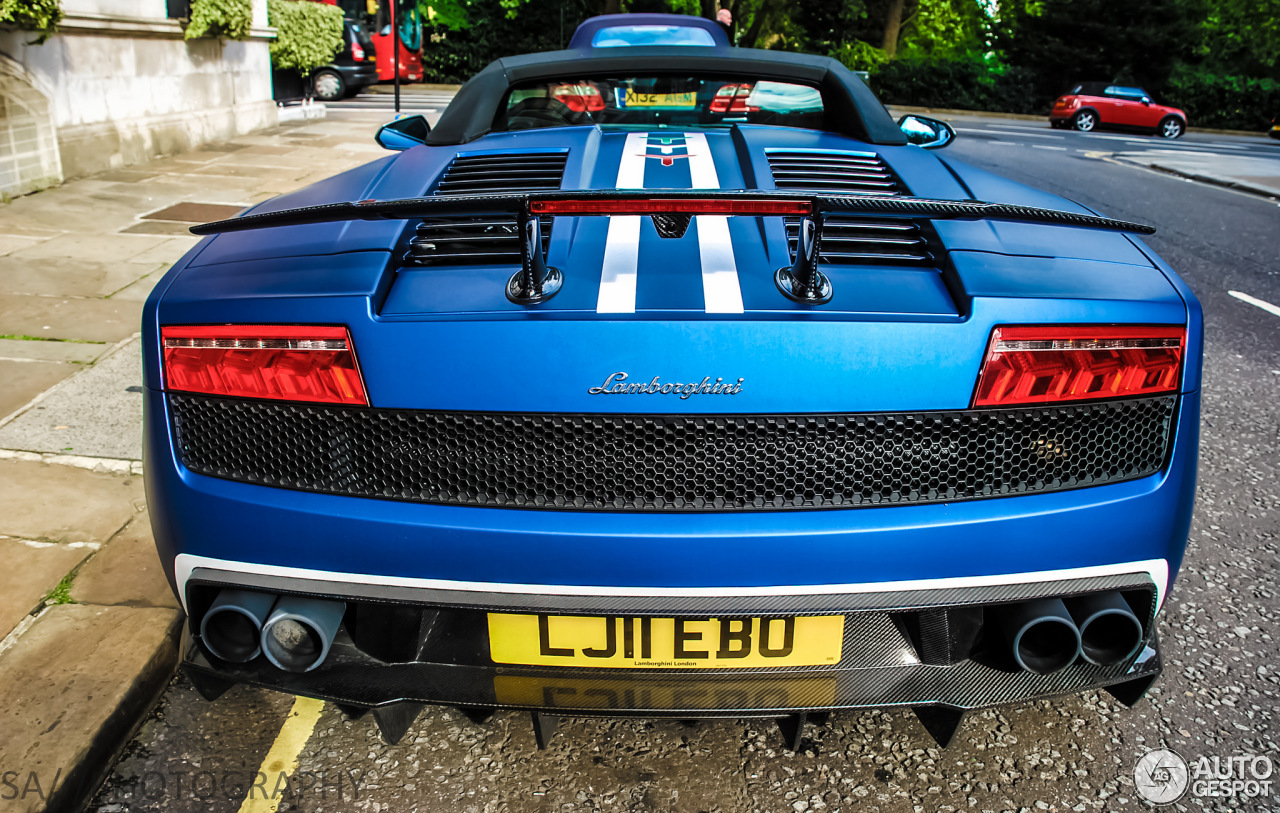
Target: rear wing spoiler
(671, 211)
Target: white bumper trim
(1156, 569)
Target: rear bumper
(915, 647)
(884, 569)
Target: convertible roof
(852, 109)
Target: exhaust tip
(1042, 636)
(232, 627)
(1110, 633)
(297, 636)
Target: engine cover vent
(841, 173)
(850, 240)
(484, 240)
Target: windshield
(656, 101)
(624, 35)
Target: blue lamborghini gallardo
(671, 381)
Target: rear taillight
(357, 52)
(1041, 365)
(278, 362)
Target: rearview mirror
(404, 133)
(923, 131)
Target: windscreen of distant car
(625, 35)
(658, 101)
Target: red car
(1090, 105)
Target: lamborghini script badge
(616, 384)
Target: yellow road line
(282, 760)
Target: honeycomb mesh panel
(609, 462)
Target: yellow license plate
(727, 693)
(626, 642)
(633, 99)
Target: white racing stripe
(622, 243)
(721, 291)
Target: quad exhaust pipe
(1110, 633)
(294, 632)
(1047, 635)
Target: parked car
(354, 67)
(1092, 105)
(1274, 132)
(643, 403)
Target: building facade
(118, 84)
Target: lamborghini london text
(615, 385)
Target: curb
(405, 88)
(71, 748)
(942, 111)
(1213, 180)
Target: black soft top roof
(852, 109)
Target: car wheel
(329, 86)
(1085, 121)
(1171, 127)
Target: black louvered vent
(844, 173)
(850, 239)
(491, 239)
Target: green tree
(1065, 41)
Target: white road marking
(1274, 310)
(721, 290)
(622, 242)
(1047, 147)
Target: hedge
(225, 19)
(308, 34)
(1226, 102)
(41, 16)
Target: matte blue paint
(1140, 520)
(891, 339)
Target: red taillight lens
(278, 362)
(1041, 365)
(693, 206)
(357, 52)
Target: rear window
(624, 35)
(655, 101)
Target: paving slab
(141, 289)
(71, 690)
(126, 571)
(45, 502)
(52, 317)
(13, 242)
(98, 413)
(31, 570)
(78, 352)
(72, 276)
(24, 380)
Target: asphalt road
(1217, 697)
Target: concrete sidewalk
(88, 625)
(1246, 173)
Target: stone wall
(123, 86)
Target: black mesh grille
(494, 239)
(671, 462)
